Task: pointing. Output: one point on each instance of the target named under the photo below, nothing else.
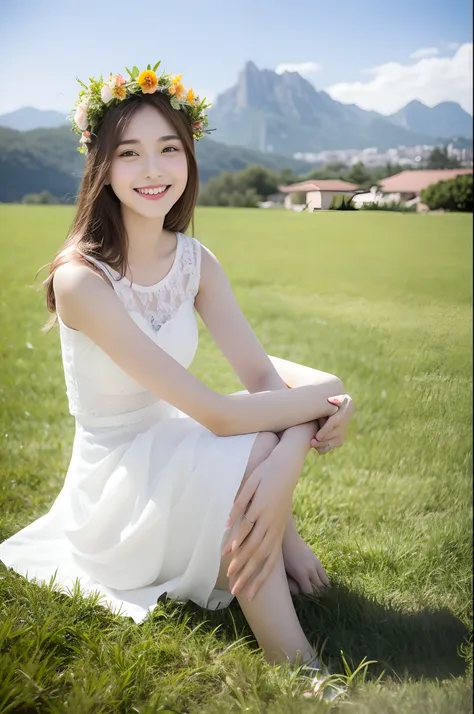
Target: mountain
(285, 113)
(28, 118)
(446, 119)
(47, 160)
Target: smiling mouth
(152, 192)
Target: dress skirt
(142, 512)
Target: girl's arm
(86, 302)
(233, 334)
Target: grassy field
(384, 302)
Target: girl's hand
(270, 490)
(314, 442)
(332, 432)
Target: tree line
(256, 184)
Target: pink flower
(116, 80)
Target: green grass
(384, 302)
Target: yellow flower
(148, 81)
(119, 92)
(177, 88)
(190, 95)
(180, 90)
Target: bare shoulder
(77, 284)
(212, 273)
(75, 272)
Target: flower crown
(95, 99)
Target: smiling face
(149, 168)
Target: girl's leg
(273, 620)
(271, 614)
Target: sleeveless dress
(148, 490)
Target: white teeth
(152, 191)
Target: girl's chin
(149, 208)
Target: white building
(319, 193)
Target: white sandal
(321, 685)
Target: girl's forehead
(149, 120)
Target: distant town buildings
(409, 156)
(404, 187)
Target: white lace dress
(148, 490)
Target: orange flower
(180, 90)
(177, 88)
(190, 96)
(148, 81)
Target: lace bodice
(158, 303)
(99, 392)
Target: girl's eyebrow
(167, 137)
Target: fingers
(242, 501)
(246, 551)
(250, 568)
(341, 401)
(239, 534)
(325, 446)
(332, 422)
(260, 579)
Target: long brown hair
(98, 229)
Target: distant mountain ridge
(445, 119)
(285, 113)
(29, 118)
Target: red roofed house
(408, 185)
(319, 192)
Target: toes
(293, 585)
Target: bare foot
(293, 585)
(303, 567)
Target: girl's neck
(147, 239)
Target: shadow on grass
(419, 645)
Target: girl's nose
(153, 168)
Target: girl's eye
(167, 149)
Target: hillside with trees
(47, 160)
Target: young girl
(172, 487)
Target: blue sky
(379, 55)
